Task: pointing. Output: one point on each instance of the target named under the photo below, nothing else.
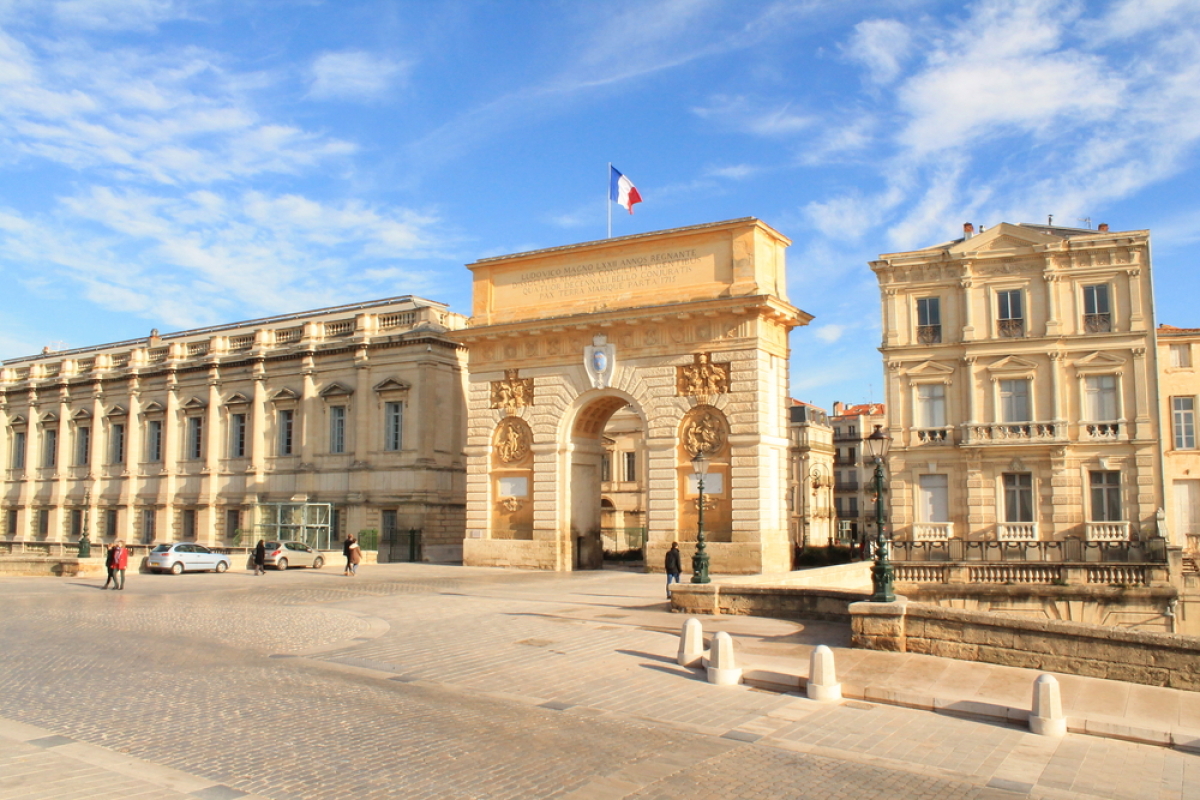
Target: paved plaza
(419, 681)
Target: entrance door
(1187, 513)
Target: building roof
(863, 410)
(1171, 330)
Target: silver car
(282, 555)
(186, 557)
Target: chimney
(968, 230)
(1103, 227)
(838, 408)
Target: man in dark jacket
(673, 565)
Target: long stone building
(308, 425)
(1022, 386)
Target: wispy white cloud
(829, 333)
(882, 45)
(200, 258)
(355, 75)
(116, 14)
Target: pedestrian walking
(118, 560)
(110, 564)
(260, 558)
(674, 566)
(353, 556)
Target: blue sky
(177, 163)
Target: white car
(186, 557)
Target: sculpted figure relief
(512, 440)
(702, 377)
(513, 391)
(703, 431)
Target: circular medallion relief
(704, 431)
(512, 439)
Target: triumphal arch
(685, 329)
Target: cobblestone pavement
(413, 681)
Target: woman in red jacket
(118, 558)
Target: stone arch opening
(606, 479)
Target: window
(1100, 403)
(154, 440)
(1018, 497)
(1183, 415)
(1097, 316)
(83, 445)
(929, 320)
(1010, 317)
(148, 532)
(931, 405)
(287, 421)
(1181, 356)
(76, 522)
(110, 522)
(393, 417)
(116, 443)
(18, 450)
(43, 522)
(1106, 496)
(237, 435)
(233, 522)
(195, 438)
(933, 493)
(337, 429)
(630, 466)
(606, 467)
(50, 447)
(189, 523)
(1014, 400)
(853, 506)
(11, 523)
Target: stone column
(211, 486)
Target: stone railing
(1016, 531)
(1151, 551)
(933, 531)
(942, 435)
(1100, 431)
(1100, 651)
(1107, 531)
(1031, 574)
(1012, 433)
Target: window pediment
(49, 417)
(930, 371)
(392, 387)
(237, 399)
(335, 390)
(1099, 363)
(194, 404)
(18, 420)
(82, 414)
(1013, 366)
(117, 411)
(285, 396)
(153, 407)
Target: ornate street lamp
(700, 558)
(881, 572)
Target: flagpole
(608, 199)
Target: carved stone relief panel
(513, 392)
(701, 378)
(512, 440)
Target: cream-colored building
(1179, 395)
(810, 485)
(1022, 386)
(315, 424)
(853, 469)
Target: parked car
(186, 557)
(282, 555)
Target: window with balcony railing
(1097, 314)
(1010, 314)
(929, 320)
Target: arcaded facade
(1022, 392)
(204, 435)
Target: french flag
(621, 190)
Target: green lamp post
(700, 558)
(881, 573)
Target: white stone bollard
(721, 667)
(691, 644)
(822, 682)
(1047, 717)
